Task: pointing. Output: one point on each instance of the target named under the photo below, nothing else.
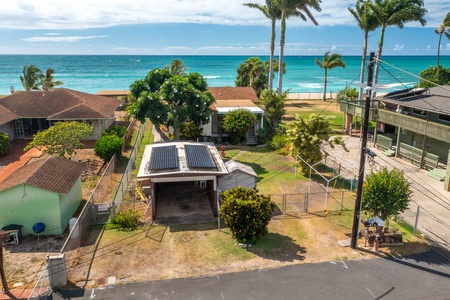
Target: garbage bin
(75, 231)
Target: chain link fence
(429, 226)
(313, 202)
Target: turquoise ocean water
(97, 72)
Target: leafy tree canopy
(386, 193)
(62, 138)
(246, 212)
(5, 143)
(434, 76)
(252, 72)
(237, 122)
(306, 136)
(171, 100)
(274, 111)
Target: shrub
(126, 220)
(5, 144)
(116, 130)
(279, 141)
(247, 213)
(236, 122)
(108, 145)
(434, 76)
(190, 131)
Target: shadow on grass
(196, 227)
(278, 247)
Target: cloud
(398, 47)
(52, 33)
(85, 14)
(447, 46)
(333, 47)
(57, 39)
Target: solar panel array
(198, 156)
(162, 158)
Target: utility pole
(362, 161)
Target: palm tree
(329, 62)
(367, 22)
(31, 77)
(394, 13)
(48, 81)
(273, 13)
(288, 9)
(252, 72)
(443, 28)
(177, 67)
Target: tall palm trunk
(363, 66)
(439, 48)
(377, 65)
(280, 59)
(272, 53)
(324, 98)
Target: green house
(46, 190)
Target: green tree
(190, 131)
(273, 13)
(47, 80)
(31, 77)
(394, 13)
(274, 111)
(237, 122)
(171, 100)
(349, 93)
(444, 28)
(247, 213)
(63, 138)
(5, 143)
(252, 72)
(116, 130)
(305, 138)
(292, 8)
(329, 62)
(368, 23)
(434, 76)
(386, 193)
(108, 145)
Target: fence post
(57, 271)
(283, 197)
(417, 221)
(342, 200)
(306, 203)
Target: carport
(181, 180)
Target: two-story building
(413, 124)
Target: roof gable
(233, 93)
(63, 102)
(49, 173)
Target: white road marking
(340, 261)
(92, 294)
(371, 293)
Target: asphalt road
(424, 276)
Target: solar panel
(162, 158)
(198, 156)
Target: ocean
(92, 73)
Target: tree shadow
(278, 247)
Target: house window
(419, 112)
(444, 117)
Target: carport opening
(185, 202)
